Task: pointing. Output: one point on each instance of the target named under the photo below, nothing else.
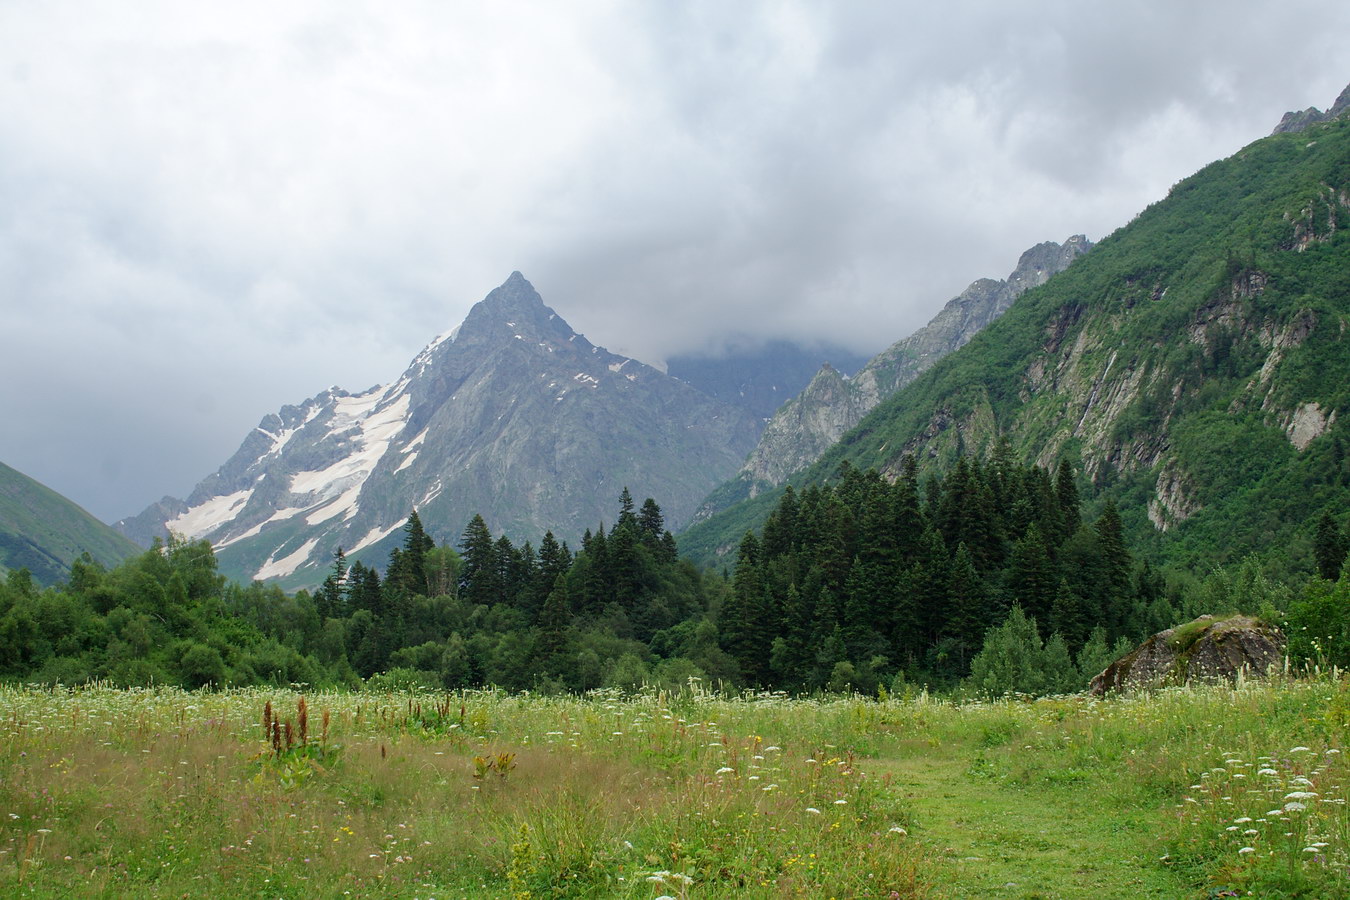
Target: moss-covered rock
(1205, 649)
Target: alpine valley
(513, 416)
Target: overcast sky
(211, 210)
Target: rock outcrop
(1297, 120)
(1206, 649)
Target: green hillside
(44, 532)
(1194, 367)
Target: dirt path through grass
(995, 839)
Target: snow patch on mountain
(280, 568)
(207, 517)
(375, 535)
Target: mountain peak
(511, 310)
(1297, 120)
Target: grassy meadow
(1192, 792)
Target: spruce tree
(331, 599)
(626, 516)
(479, 578)
(968, 612)
(745, 625)
(1066, 616)
(651, 523)
(553, 622)
(1067, 502)
(1031, 578)
(1329, 548)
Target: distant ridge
(44, 532)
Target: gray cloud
(207, 214)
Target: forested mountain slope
(1195, 367)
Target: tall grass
(161, 792)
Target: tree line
(865, 583)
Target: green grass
(158, 793)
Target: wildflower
(1245, 850)
(724, 770)
(1300, 795)
(813, 811)
(1267, 772)
(896, 829)
(1295, 806)
(1300, 750)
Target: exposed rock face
(512, 415)
(1298, 120)
(810, 423)
(806, 426)
(1308, 422)
(1206, 649)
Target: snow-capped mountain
(512, 415)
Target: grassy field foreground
(1197, 792)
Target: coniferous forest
(861, 584)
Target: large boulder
(1206, 649)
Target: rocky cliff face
(810, 423)
(513, 415)
(1298, 120)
